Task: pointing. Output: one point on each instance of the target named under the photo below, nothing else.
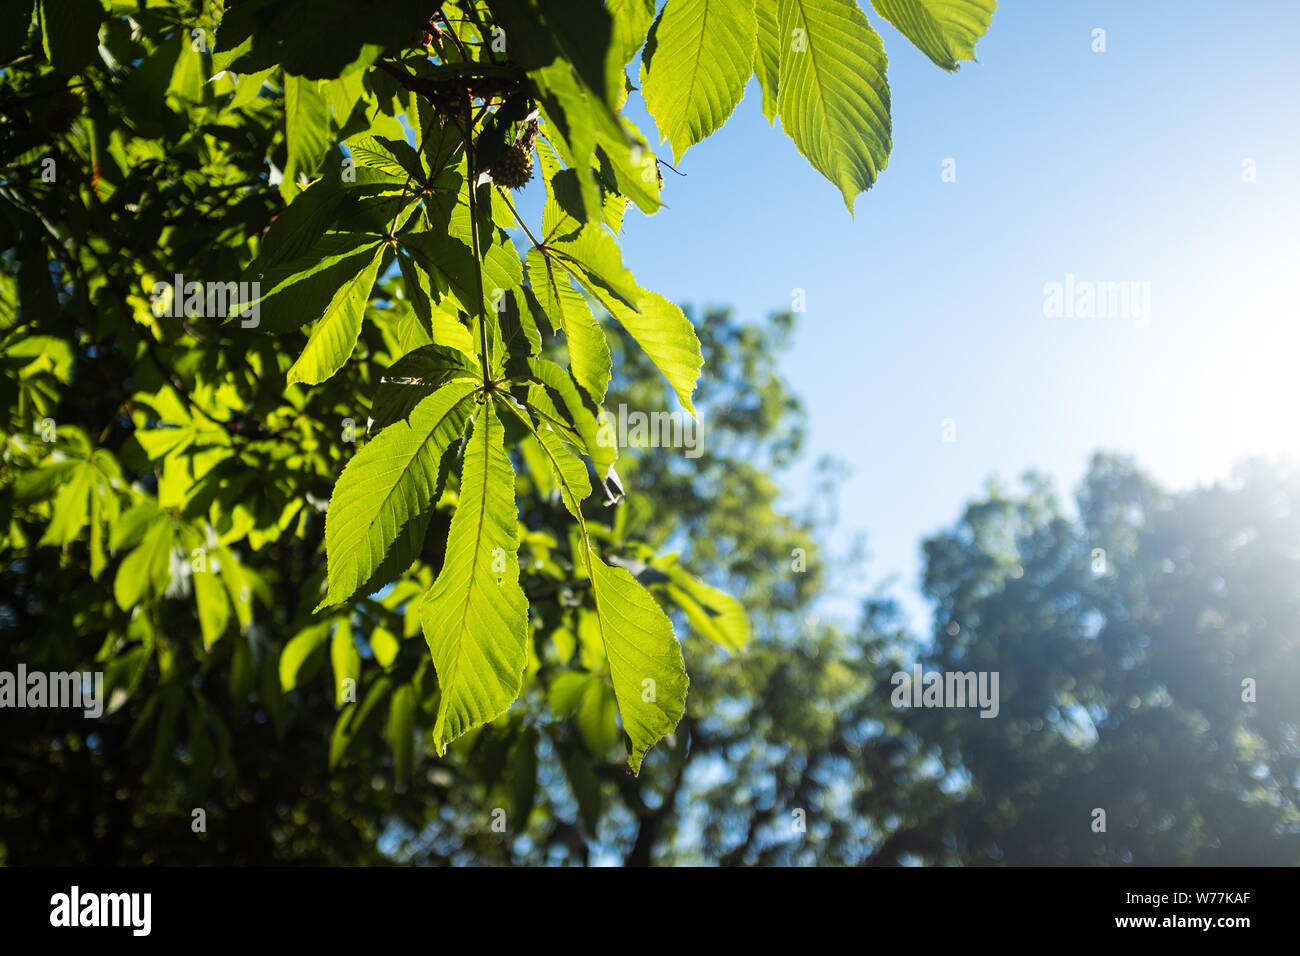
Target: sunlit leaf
(475, 616)
(833, 96)
(696, 63)
(390, 480)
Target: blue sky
(1122, 166)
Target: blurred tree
(1124, 639)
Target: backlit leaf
(390, 480)
(695, 66)
(475, 617)
(944, 30)
(833, 96)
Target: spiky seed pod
(513, 168)
(528, 139)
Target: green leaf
(409, 542)
(575, 34)
(414, 377)
(71, 507)
(441, 148)
(695, 66)
(767, 61)
(213, 606)
(355, 721)
(634, 168)
(644, 658)
(189, 76)
(239, 585)
(535, 462)
(632, 19)
(384, 644)
(375, 201)
(572, 118)
(583, 422)
(39, 484)
(299, 648)
(301, 224)
(833, 96)
(564, 214)
(714, 614)
(248, 87)
(593, 258)
(442, 328)
(397, 157)
(210, 597)
(133, 524)
(401, 732)
(299, 291)
(177, 429)
(147, 569)
(567, 468)
(569, 312)
(590, 700)
(306, 130)
(502, 276)
(447, 259)
(388, 482)
(566, 692)
(335, 334)
(944, 30)
(36, 354)
(104, 506)
(666, 335)
(520, 338)
(345, 659)
(475, 617)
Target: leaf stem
(473, 232)
(519, 219)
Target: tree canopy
(295, 393)
(310, 452)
